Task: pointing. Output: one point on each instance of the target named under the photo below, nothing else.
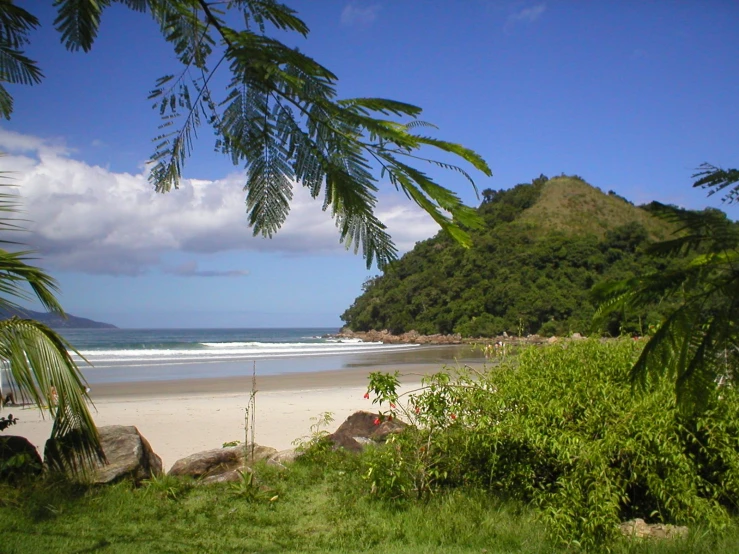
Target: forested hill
(530, 270)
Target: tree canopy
(280, 116)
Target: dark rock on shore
(360, 429)
(128, 454)
(413, 337)
(18, 458)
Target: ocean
(124, 355)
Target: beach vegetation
(279, 117)
(322, 507)
(560, 428)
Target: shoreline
(182, 417)
(315, 380)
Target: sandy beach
(182, 417)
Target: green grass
(574, 207)
(320, 508)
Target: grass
(574, 207)
(320, 507)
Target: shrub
(560, 426)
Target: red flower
(377, 421)
(453, 416)
(392, 406)
(366, 395)
(418, 410)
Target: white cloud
(355, 15)
(90, 219)
(10, 141)
(526, 15)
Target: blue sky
(630, 95)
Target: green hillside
(546, 244)
(572, 206)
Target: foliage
(716, 179)
(279, 117)
(559, 427)
(37, 358)
(322, 507)
(524, 274)
(7, 422)
(696, 345)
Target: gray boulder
(283, 457)
(231, 476)
(639, 529)
(210, 464)
(128, 456)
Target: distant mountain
(530, 270)
(55, 321)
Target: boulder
(638, 528)
(18, 458)
(360, 429)
(231, 476)
(128, 456)
(283, 457)
(219, 462)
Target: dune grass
(317, 506)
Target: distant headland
(56, 321)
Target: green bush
(560, 426)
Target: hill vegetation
(546, 244)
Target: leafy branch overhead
(696, 343)
(279, 117)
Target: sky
(630, 95)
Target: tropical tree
(697, 344)
(279, 116)
(37, 358)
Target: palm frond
(15, 25)
(17, 68)
(40, 363)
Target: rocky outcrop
(639, 529)
(221, 464)
(363, 428)
(18, 458)
(128, 456)
(411, 337)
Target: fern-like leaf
(78, 22)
